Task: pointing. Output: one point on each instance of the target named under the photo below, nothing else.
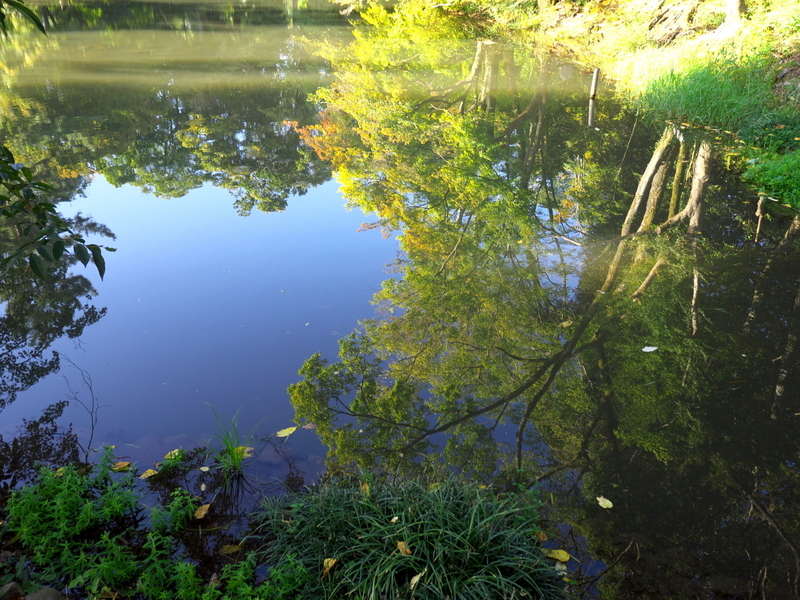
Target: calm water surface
(648, 384)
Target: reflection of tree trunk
(656, 188)
(693, 209)
(788, 357)
(647, 177)
(758, 294)
(647, 280)
(677, 184)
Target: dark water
(534, 329)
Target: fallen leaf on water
(604, 502)
(59, 472)
(561, 567)
(540, 535)
(415, 579)
(172, 454)
(205, 469)
(559, 555)
(309, 426)
(286, 432)
(148, 473)
(122, 465)
(327, 565)
(230, 549)
(649, 348)
(201, 512)
(243, 452)
(202, 487)
(403, 547)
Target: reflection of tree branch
(782, 534)
(647, 280)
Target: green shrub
(390, 540)
(778, 176)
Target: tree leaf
(327, 565)
(403, 547)
(604, 502)
(415, 579)
(99, 261)
(172, 454)
(37, 265)
(148, 473)
(58, 249)
(122, 465)
(201, 512)
(230, 549)
(559, 555)
(82, 253)
(286, 432)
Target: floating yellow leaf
(173, 454)
(205, 469)
(561, 567)
(286, 432)
(242, 452)
(327, 565)
(59, 472)
(201, 512)
(230, 549)
(148, 473)
(604, 502)
(202, 487)
(540, 535)
(403, 547)
(559, 555)
(415, 579)
(122, 465)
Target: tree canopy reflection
(557, 319)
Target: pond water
(597, 310)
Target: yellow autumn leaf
(394, 519)
(230, 549)
(241, 452)
(205, 469)
(59, 472)
(604, 502)
(415, 579)
(148, 473)
(365, 488)
(327, 565)
(540, 535)
(559, 555)
(122, 465)
(403, 547)
(286, 432)
(201, 512)
(172, 454)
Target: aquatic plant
(228, 447)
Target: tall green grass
(724, 91)
(394, 540)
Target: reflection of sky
(207, 306)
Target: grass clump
(383, 539)
(778, 176)
(723, 91)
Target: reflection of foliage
(39, 442)
(380, 538)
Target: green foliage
(233, 448)
(402, 539)
(777, 176)
(19, 7)
(43, 236)
(82, 527)
(725, 91)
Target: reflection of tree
(39, 311)
(501, 327)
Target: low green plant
(232, 449)
(379, 538)
(83, 528)
(777, 175)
